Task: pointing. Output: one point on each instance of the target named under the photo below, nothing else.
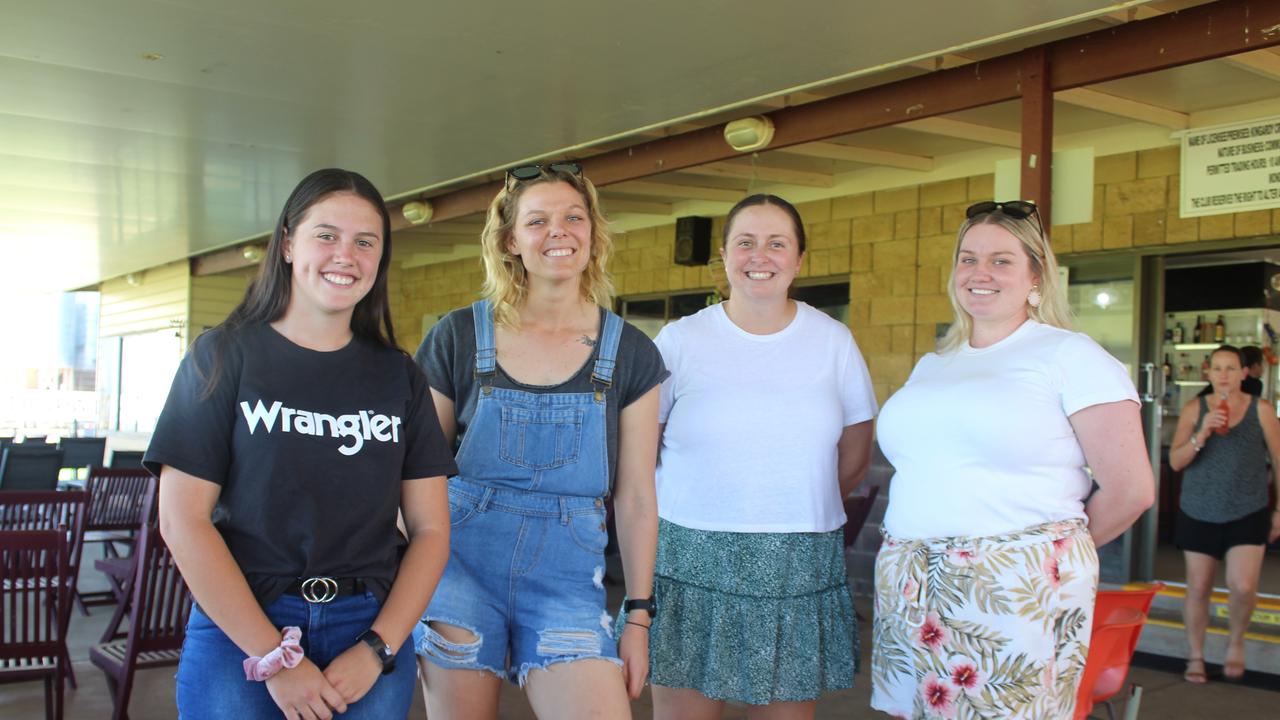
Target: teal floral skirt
(752, 617)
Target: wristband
(1195, 445)
(646, 627)
(287, 655)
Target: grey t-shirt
(448, 354)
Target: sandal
(1193, 676)
(1233, 672)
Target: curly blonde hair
(1053, 310)
(505, 280)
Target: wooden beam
(762, 173)
(942, 62)
(1204, 32)
(621, 206)
(1124, 107)
(791, 99)
(1259, 62)
(685, 192)
(1037, 132)
(866, 156)
(962, 130)
(1096, 100)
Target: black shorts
(1217, 538)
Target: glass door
(1110, 299)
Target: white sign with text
(1231, 168)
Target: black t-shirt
(448, 354)
(309, 448)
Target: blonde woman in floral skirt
(985, 584)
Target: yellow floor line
(1264, 602)
(1259, 637)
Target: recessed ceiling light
(152, 56)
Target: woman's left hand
(353, 672)
(633, 649)
(1275, 526)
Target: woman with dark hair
(553, 401)
(767, 421)
(1222, 444)
(294, 433)
(986, 580)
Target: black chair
(126, 459)
(33, 440)
(30, 467)
(85, 452)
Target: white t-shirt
(752, 422)
(980, 438)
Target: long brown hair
(267, 297)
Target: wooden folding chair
(51, 510)
(160, 605)
(116, 501)
(33, 640)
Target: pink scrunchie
(288, 655)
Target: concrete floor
(1164, 696)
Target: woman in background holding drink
(1223, 442)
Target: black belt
(326, 589)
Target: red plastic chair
(33, 640)
(51, 510)
(1118, 618)
(160, 605)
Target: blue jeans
(211, 680)
(525, 577)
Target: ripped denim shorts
(525, 577)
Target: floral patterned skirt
(987, 627)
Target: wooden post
(1037, 131)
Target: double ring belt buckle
(319, 589)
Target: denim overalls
(526, 558)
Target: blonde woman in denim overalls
(552, 401)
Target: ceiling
(139, 132)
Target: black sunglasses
(529, 172)
(1016, 209)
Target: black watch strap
(649, 605)
(380, 648)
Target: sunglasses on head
(529, 172)
(1016, 209)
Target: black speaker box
(693, 240)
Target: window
(650, 313)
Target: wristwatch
(649, 605)
(380, 648)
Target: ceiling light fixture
(252, 253)
(749, 134)
(417, 212)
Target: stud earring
(1034, 298)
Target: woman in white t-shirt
(767, 425)
(985, 584)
